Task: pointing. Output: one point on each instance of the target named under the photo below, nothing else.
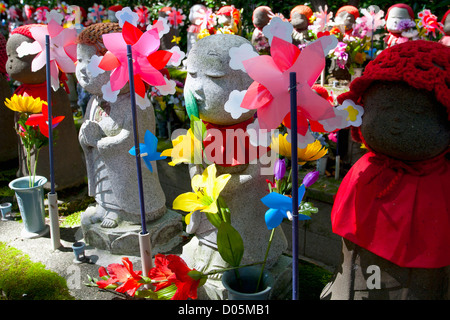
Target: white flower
(177, 56)
(28, 48)
(142, 103)
(162, 25)
(302, 141)
(233, 105)
(278, 28)
(355, 112)
(168, 88)
(108, 94)
(54, 15)
(339, 121)
(239, 54)
(92, 67)
(257, 136)
(127, 15)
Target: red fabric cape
(232, 153)
(400, 211)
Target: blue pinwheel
(279, 206)
(148, 150)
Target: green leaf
(230, 244)
(149, 294)
(214, 218)
(198, 128)
(191, 103)
(166, 293)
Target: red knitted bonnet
(25, 30)
(421, 64)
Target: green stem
(35, 165)
(265, 258)
(29, 166)
(231, 268)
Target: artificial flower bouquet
(32, 127)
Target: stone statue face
(299, 21)
(447, 25)
(394, 17)
(403, 122)
(19, 68)
(85, 78)
(211, 80)
(347, 19)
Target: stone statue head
(90, 43)
(300, 17)
(395, 14)
(406, 105)
(211, 80)
(346, 16)
(19, 68)
(261, 16)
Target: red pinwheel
(269, 93)
(147, 59)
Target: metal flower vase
(31, 205)
(244, 288)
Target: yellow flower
(207, 188)
(24, 104)
(360, 57)
(202, 34)
(184, 147)
(176, 39)
(313, 151)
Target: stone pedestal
(166, 233)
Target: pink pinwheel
(41, 120)
(176, 17)
(429, 22)
(63, 50)
(269, 93)
(147, 59)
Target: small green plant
(72, 220)
(23, 279)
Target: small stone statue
(397, 18)
(211, 80)
(300, 20)
(261, 17)
(112, 10)
(69, 167)
(346, 16)
(392, 207)
(445, 40)
(229, 19)
(106, 137)
(196, 16)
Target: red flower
(173, 269)
(41, 120)
(123, 274)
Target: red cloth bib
(398, 210)
(235, 148)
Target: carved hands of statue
(90, 133)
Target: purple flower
(405, 24)
(310, 178)
(280, 169)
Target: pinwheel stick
(52, 196)
(293, 92)
(144, 236)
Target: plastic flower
(176, 17)
(147, 59)
(312, 152)
(41, 120)
(280, 169)
(372, 18)
(203, 33)
(429, 22)
(121, 275)
(23, 104)
(207, 188)
(184, 147)
(148, 150)
(355, 112)
(310, 178)
(172, 269)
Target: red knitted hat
(420, 64)
(25, 30)
(350, 9)
(445, 16)
(402, 6)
